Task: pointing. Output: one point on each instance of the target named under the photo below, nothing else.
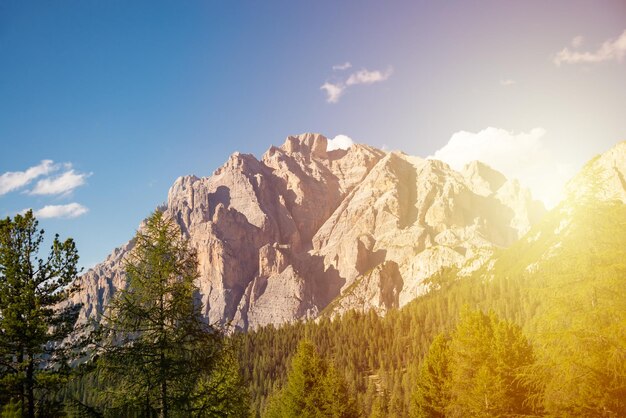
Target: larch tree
(581, 335)
(36, 316)
(159, 355)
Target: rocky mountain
(562, 282)
(304, 230)
(602, 178)
(600, 187)
(574, 260)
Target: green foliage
(338, 401)
(13, 409)
(313, 389)
(563, 285)
(432, 394)
(476, 372)
(159, 356)
(583, 333)
(487, 359)
(373, 353)
(222, 393)
(565, 289)
(580, 324)
(35, 317)
(380, 407)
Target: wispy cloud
(368, 77)
(341, 67)
(335, 90)
(71, 210)
(60, 184)
(507, 82)
(610, 50)
(13, 180)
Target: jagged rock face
(421, 215)
(602, 178)
(280, 238)
(377, 289)
(98, 285)
(251, 223)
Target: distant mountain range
(305, 231)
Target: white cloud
(333, 91)
(71, 210)
(507, 82)
(368, 77)
(522, 156)
(339, 142)
(61, 184)
(13, 180)
(611, 50)
(341, 67)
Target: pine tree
(380, 407)
(431, 395)
(159, 355)
(35, 316)
(338, 403)
(314, 389)
(478, 371)
(487, 357)
(302, 394)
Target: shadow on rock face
(221, 195)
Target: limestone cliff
(282, 237)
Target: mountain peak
(603, 178)
(279, 238)
(485, 179)
(307, 143)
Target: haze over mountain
(305, 230)
(562, 283)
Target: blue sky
(131, 95)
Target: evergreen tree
(35, 315)
(222, 393)
(313, 389)
(160, 356)
(338, 403)
(581, 367)
(380, 408)
(487, 358)
(432, 394)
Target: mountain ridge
(562, 283)
(281, 237)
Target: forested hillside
(563, 284)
